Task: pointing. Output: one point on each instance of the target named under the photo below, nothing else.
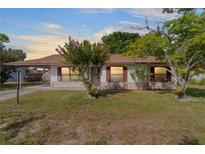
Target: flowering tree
(87, 59)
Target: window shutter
(124, 74)
(59, 73)
(168, 74)
(152, 74)
(107, 74)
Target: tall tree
(87, 59)
(3, 38)
(8, 55)
(180, 42)
(117, 41)
(179, 10)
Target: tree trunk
(186, 81)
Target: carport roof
(45, 61)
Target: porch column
(53, 75)
(107, 74)
(124, 74)
(59, 74)
(44, 70)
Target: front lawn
(68, 117)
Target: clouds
(47, 27)
(130, 23)
(124, 26)
(95, 11)
(52, 26)
(152, 14)
(40, 45)
(96, 37)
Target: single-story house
(115, 74)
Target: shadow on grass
(163, 91)
(18, 124)
(189, 141)
(196, 92)
(107, 92)
(11, 131)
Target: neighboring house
(115, 73)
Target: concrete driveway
(6, 94)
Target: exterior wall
(161, 85)
(70, 84)
(54, 82)
(103, 75)
(130, 84)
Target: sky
(38, 32)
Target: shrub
(179, 92)
(95, 93)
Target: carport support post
(18, 85)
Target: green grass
(69, 117)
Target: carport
(45, 63)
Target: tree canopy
(180, 42)
(179, 10)
(117, 42)
(8, 55)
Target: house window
(67, 74)
(64, 70)
(116, 74)
(160, 74)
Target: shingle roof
(58, 60)
(45, 61)
(120, 59)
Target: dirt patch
(125, 131)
